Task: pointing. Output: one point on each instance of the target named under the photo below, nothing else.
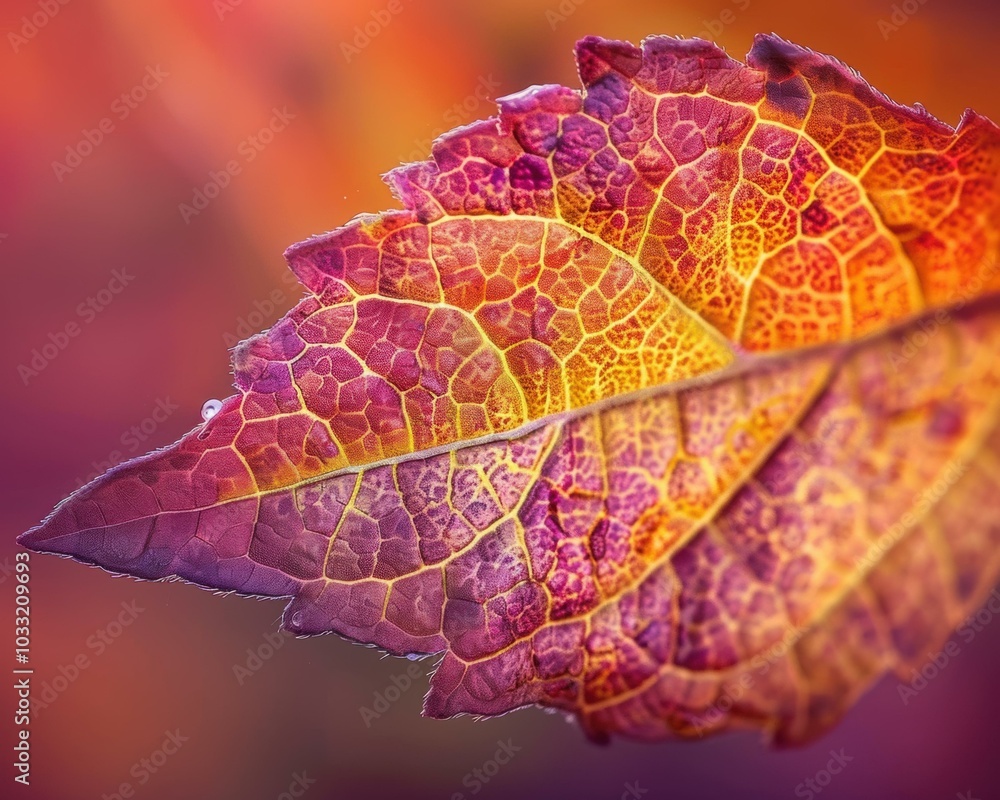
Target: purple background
(163, 339)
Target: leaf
(671, 404)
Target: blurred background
(115, 117)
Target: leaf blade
(529, 406)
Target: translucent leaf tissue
(685, 381)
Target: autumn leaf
(671, 404)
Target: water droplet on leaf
(210, 409)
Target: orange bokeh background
(163, 339)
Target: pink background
(162, 339)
